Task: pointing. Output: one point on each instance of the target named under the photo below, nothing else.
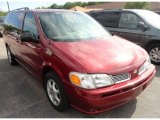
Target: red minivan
(78, 61)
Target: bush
(136, 5)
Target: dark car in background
(1, 24)
(139, 26)
(158, 12)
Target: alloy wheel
(53, 92)
(155, 54)
(9, 55)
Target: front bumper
(100, 100)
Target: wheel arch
(151, 45)
(48, 68)
(6, 45)
(152, 42)
(45, 70)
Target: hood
(111, 56)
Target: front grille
(121, 77)
(141, 69)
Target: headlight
(90, 81)
(148, 62)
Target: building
(83, 9)
(120, 5)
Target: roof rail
(24, 8)
(98, 10)
(114, 9)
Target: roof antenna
(8, 6)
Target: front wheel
(11, 58)
(1, 34)
(154, 53)
(55, 92)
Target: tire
(51, 81)
(1, 35)
(11, 58)
(154, 53)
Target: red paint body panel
(100, 100)
(113, 55)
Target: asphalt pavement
(22, 95)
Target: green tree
(42, 7)
(136, 5)
(84, 4)
(92, 3)
(69, 5)
(55, 6)
(3, 13)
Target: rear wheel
(154, 53)
(11, 57)
(55, 92)
(1, 34)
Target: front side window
(70, 26)
(29, 24)
(16, 20)
(129, 21)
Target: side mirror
(28, 37)
(142, 26)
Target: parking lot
(22, 95)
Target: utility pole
(8, 6)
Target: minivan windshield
(71, 26)
(150, 17)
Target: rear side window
(129, 21)
(7, 19)
(16, 20)
(29, 24)
(108, 19)
(1, 18)
(7, 22)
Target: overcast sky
(35, 3)
(32, 4)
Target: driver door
(30, 51)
